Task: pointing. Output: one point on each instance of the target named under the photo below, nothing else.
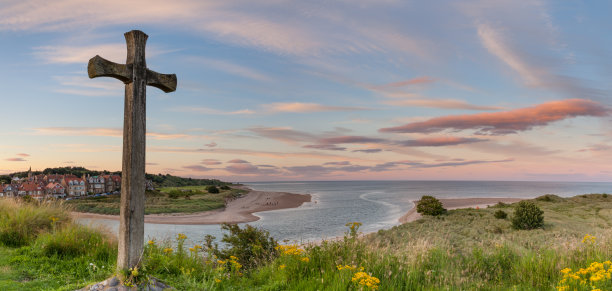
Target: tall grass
(21, 222)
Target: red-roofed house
(55, 190)
(74, 186)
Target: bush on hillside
(212, 189)
(429, 205)
(225, 187)
(527, 215)
(500, 214)
(251, 245)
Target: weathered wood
(136, 77)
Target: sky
(277, 90)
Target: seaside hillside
(464, 249)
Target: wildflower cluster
(290, 250)
(353, 228)
(365, 280)
(347, 267)
(596, 276)
(589, 239)
(226, 268)
(195, 249)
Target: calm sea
(376, 204)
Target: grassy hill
(465, 249)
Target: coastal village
(56, 186)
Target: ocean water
(376, 204)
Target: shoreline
(457, 203)
(239, 210)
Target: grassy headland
(465, 249)
(187, 199)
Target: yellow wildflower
(305, 259)
(150, 242)
(282, 266)
(168, 250)
(54, 219)
(217, 280)
(181, 236)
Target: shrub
(252, 246)
(212, 189)
(225, 187)
(549, 198)
(604, 195)
(500, 214)
(429, 205)
(174, 194)
(527, 215)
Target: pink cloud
(368, 151)
(343, 163)
(238, 161)
(440, 141)
(298, 107)
(506, 122)
(351, 139)
(211, 145)
(15, 160)
(210, 162)
(242, 169)
(415, 81)
(440, 103)
(23, 155)
(329, 147)
(197, 168)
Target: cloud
(231, 68)
(417, 164)
(103, 131)
(211, 145)
(507, 122)
(197, 168)
(206, 110)
(211, 162)
(415, 81)
(298, 107)
(284, 134)
(439, 141)
(368, 151)
(440, 103)
(81, 54)
(152, 164)
(351, 139)
(248, 169)
(23, 155)
(343, 163)
(16, 160)
(329, 147)
(238, 161)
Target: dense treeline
(160, 180)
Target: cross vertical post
(136, 77)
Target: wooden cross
(136, 77)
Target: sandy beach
(457, 203)
(236, 211)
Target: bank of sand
(236, 211)
(455, 203)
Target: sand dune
(455, 203)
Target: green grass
(466, 249)
(189, 199)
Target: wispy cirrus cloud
(211, 162)
(439, 141)
(439, 103)
(415, 81)
(507, 122)
(328, 147)
(206, 110)
(23, 155)
(102, 131)
(299, 107)
(237, 161)
(231, 68)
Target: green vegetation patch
(187, 199)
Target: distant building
(74, 186)
(96, 184)
(32, 189)
(55, 190)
